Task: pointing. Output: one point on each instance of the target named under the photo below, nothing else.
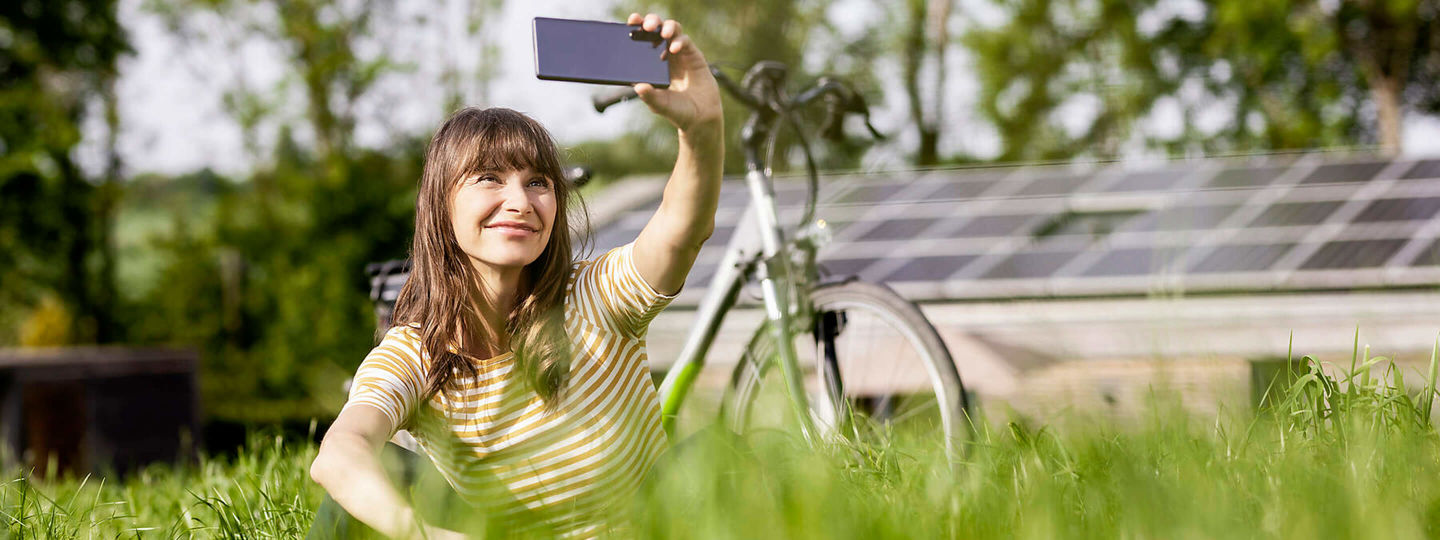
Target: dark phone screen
(596, 52)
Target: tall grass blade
(1430, 393)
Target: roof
(1290, 222)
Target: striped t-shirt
(497, 442)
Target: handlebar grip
(604, 101)
(578, 175)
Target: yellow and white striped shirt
(498, 443)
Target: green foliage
(55, 59)
(1287, 74)
(271, 286)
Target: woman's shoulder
(601, 260)
(403, 340)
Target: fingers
(678, 44)
(668, 28)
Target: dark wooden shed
(96, 408)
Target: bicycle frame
(745, 261)
(768, 263)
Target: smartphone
(599, 52)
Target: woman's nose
(516, 199)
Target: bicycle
(801, 305)
(828, 312)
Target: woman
(521, 373)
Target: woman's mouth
(513, 228)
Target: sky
(173, 121)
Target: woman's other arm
(666, 248)
(348, 467)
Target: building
(1090, 284)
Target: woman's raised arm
(669, 243)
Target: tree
(58, 58)
(1290, 74)
(927, 31)
(271, 284)
(1394, 44)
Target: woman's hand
(693, 100)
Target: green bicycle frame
(769, 264)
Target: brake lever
(857, 104)
(873, 132)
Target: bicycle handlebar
(840, 100)
(763, 92)
(604, 101)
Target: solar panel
(1183, 218)
(849, 267)
(610, 237)
(996, 225)
(1226, 223)
(1430, 256)
(1132, 261)
(930, 268)
(1299, 213)
(1029, 264)
(1146, 181)
(1354, 253)
(899, 229)
(1241, 258)
(870, 193)
(721, 235)
(1245, 177)
(1428, 169)
(1399, 210)
(1052, 185)
(1344, 172)
(1090, 224)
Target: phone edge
(535, 54)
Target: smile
(511, 230)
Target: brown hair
(441, 297)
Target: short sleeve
(390, 378)
(611, 293)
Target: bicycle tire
(850, 297)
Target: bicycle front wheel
(872, 350)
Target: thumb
(652, 96)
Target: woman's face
(487, 204)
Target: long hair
(441, 297)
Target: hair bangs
(510, 143)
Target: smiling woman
(521, 372)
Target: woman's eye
(541, 181)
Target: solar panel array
(1280, 222)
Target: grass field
(1352, 455)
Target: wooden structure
(90, 409)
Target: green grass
(1343, 452)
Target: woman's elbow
(320, 468)
(327, 467)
